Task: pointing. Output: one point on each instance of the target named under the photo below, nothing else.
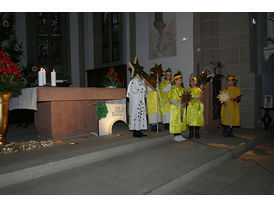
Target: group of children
(165, 105)
(183, 114)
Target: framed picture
(268, 100)
(162, 35)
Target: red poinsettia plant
(112, 79)
(10, 77)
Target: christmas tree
(10, 45)
(10, 51)
(8, 40)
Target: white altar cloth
(27, 100)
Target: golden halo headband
(167, 72)
(194, 78)
(233, 78)
(178, 76)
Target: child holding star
(177, 109)
(230, 112)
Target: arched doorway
(119, 127)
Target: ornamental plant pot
(4, 115)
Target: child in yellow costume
(154, 116)
(195, 109)
(177, 109)
(230, 112)
(165, 88)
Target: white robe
(137, 107)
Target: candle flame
(53, 70)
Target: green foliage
(112, 79)
(8, 39)
(10, 76)
(9, 83)
(102, 111)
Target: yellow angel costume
(177, 113)
(152, 105)
(165, 88)
(233, 108)
(195, 109)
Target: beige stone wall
(226, 37)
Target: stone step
(27, 165)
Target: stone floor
(21, 133)
(131, 167)
(250, 174)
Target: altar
(64, 112)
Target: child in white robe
(137, 108)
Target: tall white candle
(44, 77)
(53, 78)
(40, 78)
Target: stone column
(231, 38)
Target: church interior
(80, 48)
(72, 75)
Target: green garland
(102, 111)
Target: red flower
(109, 74)
(16, 67)
(117, 79)
(112, 69)
(9, 76)
(116, 74)
(18, 74)
(13, 70)
(7, 60)
(9, 71)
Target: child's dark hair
(177, 74)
